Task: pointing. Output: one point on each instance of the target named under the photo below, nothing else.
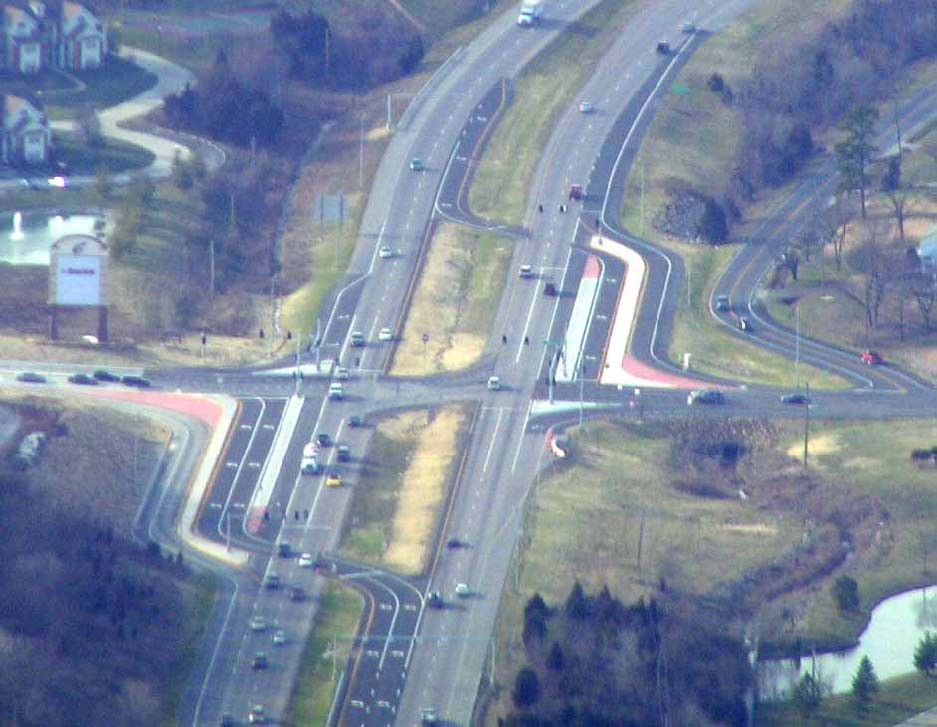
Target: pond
(25, 238)
(896, 626)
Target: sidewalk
(171, 78)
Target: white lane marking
(494, 438)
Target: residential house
(82, 39)
(27, 136)
(51, 33)
(927, 251)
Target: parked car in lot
(106, 377)
(28, 377)
(872, 358)
(82, 380)
(705, 396)
(798, 398)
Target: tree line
(596, 661)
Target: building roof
(19, 111)
(13, 15)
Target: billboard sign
(79, 280)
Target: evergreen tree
(864, 683)
(925, 655)
(807, 695)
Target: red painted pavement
(193, 406)
(593, 268)
(641, 370)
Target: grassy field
(395, 512)
(715, 351)
(116, 81)
(339, 612)
(616, 498)
(692, 142)
(111, 155)
(899, 698)
(455, 302)
(543, 92)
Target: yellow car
(333, 480)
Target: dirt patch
(818, 445)
(423, 487)
(751, 528)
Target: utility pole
(361, 154)
(806, 423)
(643, 167)
(211, 267)
(582, 379)
(316, 343)
(797, 347)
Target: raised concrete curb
(260, 500)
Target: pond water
(25, 238)
(896, 626)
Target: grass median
(396, 510)
(543, 92)
(454, 303)
(325, 655)
(624, 512)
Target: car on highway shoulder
(258, 623)
(417, 165)
(872, 358)
(28, 377)
(385, 252)
(798, 398)
(385, 334)
(705, 396)
(82, 380)
(586, 107)
(305, 560)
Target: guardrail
(430, 84)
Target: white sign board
(79, 280)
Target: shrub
(846, 593)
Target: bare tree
(841, 217)
(900, 204)
(924, 294)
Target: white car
(341, 373)
(385, 334)
(385, 251)
(279, 637)
(462, 590)
(310, 450)
(305, 560)
(586, 107)
(258, 623)
(494, 383)
(336, 391)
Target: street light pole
(797, 347)
(582, 378)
